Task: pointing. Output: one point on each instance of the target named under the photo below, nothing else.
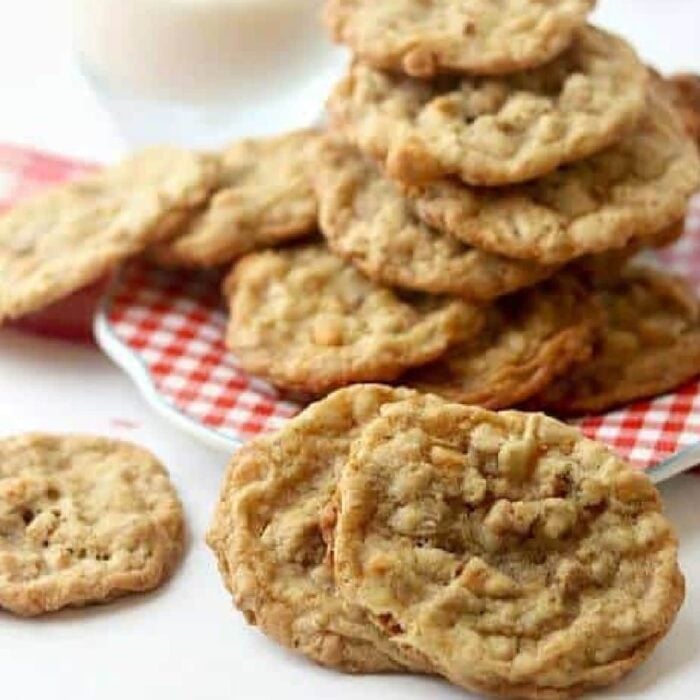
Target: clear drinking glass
(201, 72)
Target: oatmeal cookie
(477, 36)
(684, 90)
(310, 322)
(82, 520)
(495, 131)
(530, 338)
(601, 269)
(264, 199)
(369, 222)
(520, 558)
(649, 344)
(267, 534)
(631, 191)
(57, 242)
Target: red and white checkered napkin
(173, 325)
(24, 171)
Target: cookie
(520, 558)
(309, 322)
(684, 90)
(631, 191)
(602, 268)
(369, 222)
(267, 535)
(495, 131)
(264, 198)
(649, 344)
(529, 339)
(82, 520)
(57, 242)
(422, 39)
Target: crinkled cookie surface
(477, 36)
(684, 91)
(495, 131)
(629, 192)
(367, 221)
(529, 339)
(267, 534)
(59, 241)
(522, 559)
(82, 520)
(649, 343)
(264, 198)
(310, 322)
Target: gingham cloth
(175, 325)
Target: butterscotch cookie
(264, 198)
(367, 221)
(82, 520)
(267, 534)
(477, 36)
(495, 131)
(684, 90)
(59, 241)
(629, 192)
(520, 558)
(649, 344)
(601, 269)
(529, 339)
(310, 322)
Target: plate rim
(135, 368)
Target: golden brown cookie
(520, 558)
(264, 198)
(684, 90)
(631, 191)
(267, 535)
(530, 338)
(602, 268)
(649, 344)
(61, 240)
(478, 36)
(495, 131)
(309, 322)
(82, 520)
(367, 221)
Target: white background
(184, 641)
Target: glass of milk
(201, 72)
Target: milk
(238, 65)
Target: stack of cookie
(386, 530)
(514, 157)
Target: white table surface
(185, 641)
